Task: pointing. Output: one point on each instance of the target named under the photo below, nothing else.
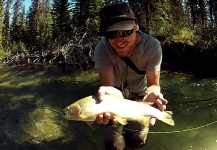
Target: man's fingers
(152, 121)
(106, 118)
(108, 90)
(99, 119)
(114, 121)
(164, 101)
(159, 104)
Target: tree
(61, 19)
(85, 9)
(22, 21)
(212, 7)
(45, 26)
(16, 33)
(151, 13)
(33, 25)
(202, 13)
(6, 28)
(1, 26)
(39, 24)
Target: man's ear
(137, 27)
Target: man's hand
(154, 95)
(158, 99)
(107, 90)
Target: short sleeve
(155, 59)
(101, 54)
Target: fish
(123, 110)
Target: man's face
(123, 45)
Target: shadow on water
(31, 102)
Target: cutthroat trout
(123, 110)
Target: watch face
(126, 93)
(124, 89)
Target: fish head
(72, 112)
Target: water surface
(31, 102)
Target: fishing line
(176, 131)
(188, 102)
(185, 130)
(190, 129)
(206, 102)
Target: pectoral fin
(122, 121)
(145, 121)
(83, 116)
(144, 133)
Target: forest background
(187, 30)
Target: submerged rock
(42, 125)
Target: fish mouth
(66, 113)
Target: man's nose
(119, 38)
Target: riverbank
(184, 58)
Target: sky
(27, 3)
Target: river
(31, 101)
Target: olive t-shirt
(147, 57)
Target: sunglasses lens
(127, 33)
(112, 34)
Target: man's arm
(153, 90)
(106, 79)
(153, 81)
(153, 94)
(106, 76)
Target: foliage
(208, 39)
(84, 10)
(17, 46)
(61, 19)
(2, 54)
(1, 28)
(47, 26)
(186, 36)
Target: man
(123, 39)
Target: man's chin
(122, 55)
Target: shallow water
(31, 102)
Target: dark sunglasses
(113, 34)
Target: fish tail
(168, 118)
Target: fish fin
(122, 121)
(83, 116)
(168, 118)
(90, 124)
(145, 121)
(144, 133)
(169, 112)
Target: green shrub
(186, 36)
